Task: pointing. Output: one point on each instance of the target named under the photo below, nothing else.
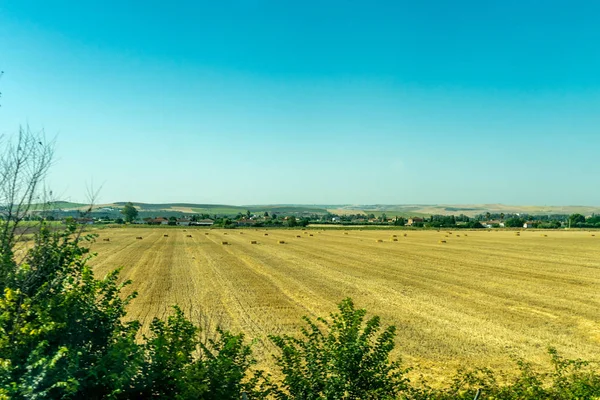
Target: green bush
(342, 359)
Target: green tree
(514, 222)
(129, 212)
(292, 222)
(340, 358)
(383, 217)
(576, 219)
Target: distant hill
(405, 210)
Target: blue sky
(249, 102)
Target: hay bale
(442, 241)
(241, 233)
(224, 233)
(253, 242)
(544, 235)
(379, 241)
(298, 236)
(139, 237)
(445, 235)
(281, 242)
(405, 235)
(592, 236)
(224, 243)
(108, 240)
(206, 233)
(165, 235)
(457, 235)
(266, 234)
(188, 235)
(345, 233)
(394, 239)
(466, 234)
(394, 236)
(310, 234)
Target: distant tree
(399, 221)
(119, 221)
(488, 216)
(304, 222)
(292, 222)
(383, 217)
(266, 214)
(514, 222)
(371, 216)
(502, 216)
(129, 212)
(248, 213)
(577, 219)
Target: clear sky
(250, 102)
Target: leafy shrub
(345, 360)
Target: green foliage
(576, 219)
(514, 222)
(62, 336)
(568, 380)
(129, 212)
(345, 360)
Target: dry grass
(471, 302)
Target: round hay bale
(241, 233)
(345, 233)
(379, 241)
(188, 235)
(108, 240)
(266, 234)
(298, 236)
(457, 235)
(394, 239)
(253, 242)
(405, 235)
(310, 234)
(394, 236)
(281, 242)
(165, 235)
(206, 233)
(442, 241)
(139, 237)
(224, 233)
(224, 243)
(593, 235)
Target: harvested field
(474, 301)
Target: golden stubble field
(476, 300)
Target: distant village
(266, 219)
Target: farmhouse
(528, 224)
(491, 224)
(158, 221)
(183, 221)
(203, 222)
(413, 220)
(246, 222)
